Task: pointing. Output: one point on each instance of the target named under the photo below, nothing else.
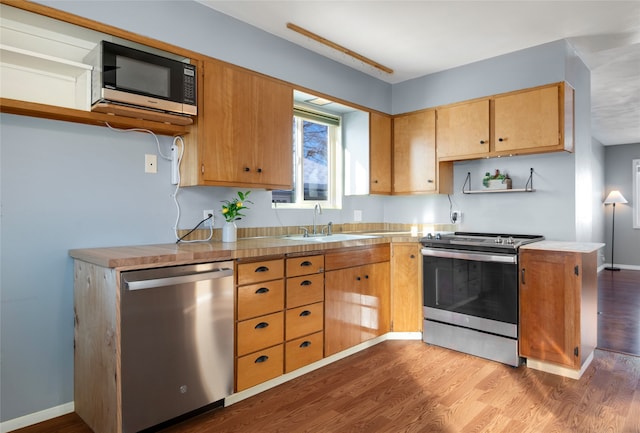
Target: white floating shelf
(42, 62)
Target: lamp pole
(613, 239)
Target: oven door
(471, 289)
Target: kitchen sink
(339, 237)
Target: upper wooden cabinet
(463, 130)
(415, 169)
(244, 131)
(534, 120)
(380, 149)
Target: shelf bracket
(467, 183)
(529, 186)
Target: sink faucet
(317, 210)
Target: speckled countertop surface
(575, 247)
(131, 257)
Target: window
(636, 193)
(317, 162)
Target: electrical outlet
(357, 216)
(150, 163)
(205, 214)
(456, 217)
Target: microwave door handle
(467, 255)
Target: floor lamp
(613, 198)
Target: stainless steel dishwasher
(177, 342)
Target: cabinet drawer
(303, 351)
(261, 332)
(260, 299)
(305, 265)
(304, 320)
(255, 272)
(304, 290)
(348, 258)
(259, 367)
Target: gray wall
(618, 176)
(65, 185)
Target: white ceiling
(416, 38)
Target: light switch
(150, 163)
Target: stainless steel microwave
(124, 75)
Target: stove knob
(498, 240)
(429, 236)
(438, 237)
(510, 240)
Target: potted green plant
(232, 211)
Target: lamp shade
(615, 197)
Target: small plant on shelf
(497, 180)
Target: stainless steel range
(470, 284)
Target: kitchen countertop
(132, 257)
(574, 247)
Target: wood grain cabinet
(535, 120)
(244, 130)
(558, 307)
(260, 324)
(380, 154)
(415, 169)
(357, 304)
(406, 287)
(304, 311)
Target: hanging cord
(175, 193)
(176, 140)
(450, 209)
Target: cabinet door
(463, 130)
(528, 120)
(245, 131)
(356, 306)
(272, 137)
(406, 290)
(379, 154)
(414, 153)
(550, 307)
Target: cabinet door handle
(412, 256)
(482, 141)
(366, 277)
(260, 359)
(522, 272)
(259, 170)
(306, 283)
(305, 344)
(358, 278)
(246, 169)
(262, 290)
(501, 139)
(262, 269)
(305, 313)
(261, 325)
(306, 263)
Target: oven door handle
(466, 255)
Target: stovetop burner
(479, 241)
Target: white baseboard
(558, 369)
(34, 418)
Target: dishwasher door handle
(182, 279)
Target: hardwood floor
(408, 386)
(619, 311)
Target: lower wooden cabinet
(406, 287)
(356, 297)
(558, 306)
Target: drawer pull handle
(305, 313)
(305, 344)
(260, 359)
(261, 325)
(306, 263)
(262, 290)
(262, 269)
(306, 283)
